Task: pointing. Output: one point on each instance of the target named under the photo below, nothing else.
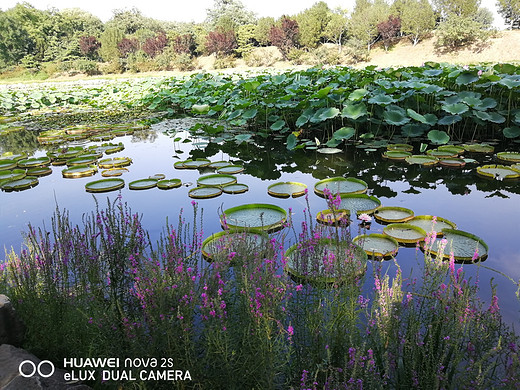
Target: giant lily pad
(329, 150)
(216, 180)
(230, 169)
(325, 261)
(452, 162)
(193, 164)
(332, 217)
(453, 148)
(421, 159)
(142, 184)
(105, 185)
(79, 171)
(466, 247)
(341, 185)
(34, 162)
(168, 184)
(10, 175)
(219, 164)
(20, 184)
(13, 156)
(396, 154)
(405, 233)
(393, 214)
(513, 157)
(205, 192)
(478, 148)
(8, 164)
(498, 172)
(113, 172)
(219, 246)
(432, 224)
(266, 217)
(441, 153)
(359, 203)
(237, 188)
(85, 159)
(377, 245)
(115, 162)
(286, 189)
(400, 147)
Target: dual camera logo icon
(28, 369)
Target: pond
(489, 209)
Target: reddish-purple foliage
(221, 42)
(127, 46)
(184, 44)
(156, 45)
(389, 29)
(89, 45)
(285, 37)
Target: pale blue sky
(175, 10)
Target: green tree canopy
(417, 18)
(510, 11)
(312, 23)
(228, 15)
(364, 21)
(336, 27)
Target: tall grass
(103, 290)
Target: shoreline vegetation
(240, 321)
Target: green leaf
(486, 103)
(332, 143)
(250, 114)
(511, 132)
(423, 147)
(329, 113)
(357, 95)
(354, 110)
(414, 115)
(278, 125)
(381, 99)
(509, 82)
(449, 120)
(414, 129)
(323, 92)
(291, 141)
(200, 108)
(344, 133)
(242, 137)
(302, 119)
(438, 137)
(395, 118)
(456, 108)
(466, 78)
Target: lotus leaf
(344, 133)
(455, 108)
(414, 129)
(279, 124)
(357, 94)
(354, 110)
(266, 217)
(287, 189)
(377, 245)
(393, 214)
(405, 233)
(466, 78)
(511, 132)
(381, 100)
(438, 137)
(449, 120)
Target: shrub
(285, 36)
(88, 67)
(184, 62)
(221, 42)
(297, 56)
(224, 62)
(458, 31)
(261, 57)
(89, 46)
(154, 46)
(389, 30)
(128, 46)
(326, 55)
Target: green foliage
(224, 62)
(461, 8)
(363, 22)
(417, 19)
(245, 38)
(312, 23)
(458, 31)
(228, 14)
(183, 62)
(510, 11)
(336, 27)
(110, 39)
(262, 56)
(263, 27)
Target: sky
(178, 11)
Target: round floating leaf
(15, 174)
(105, 185)
(393, 214)
(204, 192)
(20, 184)
(377, 245)
(478, 148)
(168, 184)
(266, 217)
(85, 159)
(179, 165)
(396, 154)
(158, 176)
(34, 162)
(236, 188)
(142, 184)
(396, 118)
(442, 153)
(498, 172)
(438, 137)
(513, 157)
(516, 167)
(325, 262)
(400, 147)
(333, 217)
(405, 233)
(112, 172)
(329, 150)
(231, 169)
(452, 162)
(194, 164)
(218, 246)
(8, 164)
(432, 224)
(115, 162)
(219, 164)
(452, 148)
(511, 132)
(13, 156)
(341, 185)
(359, 203)
(421, 159)
(287, 189)
(216, 180)
(414, 129)
(465, 247)
(79, 171)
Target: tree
(127, 46)
(417, 19)
(510, 11)
(89, 46)
(457, 31)
(389, 29)
(364, 21)
(262, 30)
(228, 15)
(154, 46)
(466, 8)
(312, 23)
(184, 44)
(132, 20)
(15, 42)
(245, 38)
(221, 42)
(110, 39)
(285, 36)
(337, 27)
